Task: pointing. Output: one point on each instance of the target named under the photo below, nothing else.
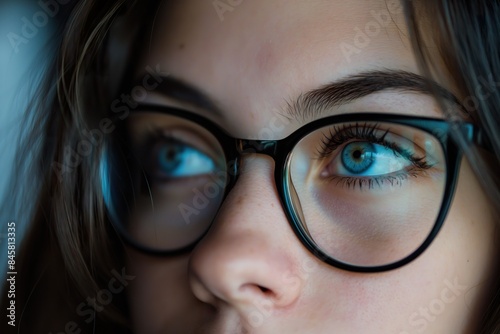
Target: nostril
(265, 290)
(255, 289)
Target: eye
(173, 159)
(370, 154)
(362, 158)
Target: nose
(249, 259)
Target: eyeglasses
(364, 192)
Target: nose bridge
(247, 146)
(246, 261)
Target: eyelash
(370, 183)
(339, 135)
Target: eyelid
(145, 130)
(186, 136)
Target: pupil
(171, 153)
(170, 158)
(357, 154)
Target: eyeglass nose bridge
(248, 146)
(245, 147)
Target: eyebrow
(317, 101)
(181, 91)
(314, 103)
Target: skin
(251, 274)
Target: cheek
(468, 236)
(414, 298)
(360, 303)
(451, 280)
(160, 295)
(469, 240)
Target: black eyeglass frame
(280, 150)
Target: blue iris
(176, 160)
(358, 157)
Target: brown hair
(70, 251)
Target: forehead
(251, 55)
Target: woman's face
(250, 273)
